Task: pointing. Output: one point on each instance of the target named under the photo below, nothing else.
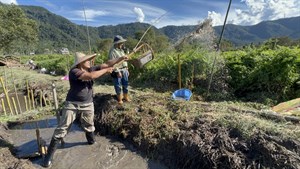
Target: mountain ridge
(58, 31)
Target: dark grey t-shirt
(80, 91)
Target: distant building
(64, 51)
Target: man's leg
(87, 122)
(68, 116)
(117, 85)
(124, 82)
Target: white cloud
(140, 14)
(216, 18)
(259, 10)
(178, 21)
(9, 1)
(89, 13)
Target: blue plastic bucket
(182, 94)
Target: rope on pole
(218, 47)
(87, 29)
(156, 20)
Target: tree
(16, 28)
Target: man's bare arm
(112, 62)
(95, 74)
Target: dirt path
(107, 153)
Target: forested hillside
(56, 32)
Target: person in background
(79, 100)
(120, 73)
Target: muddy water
(106, 153)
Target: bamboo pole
(41, 98)
(55, 102)
(38, 136)
(32, 99)
(5, 75)
(28, 95)
(179, 72)
(3, 106)
(26, 106)
(49, 102)
(193, 76)
(6, 95)
(15, 106)
(44, 99)
(17, 97)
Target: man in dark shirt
(80, 99)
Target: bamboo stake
(32, 99)
(41, 98)
(15, 106)
(28, 95)
(26, 106)
(3, 106)
(5, 76)
(38, 137)
(6, 95)
(44, 99)
(55, 102)
(179, 72)
(49, 102)
(193, 76)
(17, 97)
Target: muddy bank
(7, 159)
(190, 143)
(162, 130)
(106, 153)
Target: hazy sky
(170, 12)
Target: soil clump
(193, 143)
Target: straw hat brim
(120, 41)
(87, 57)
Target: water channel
(106, 153)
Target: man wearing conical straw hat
(80, 99)
(120, 73)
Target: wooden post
(6, 95)
(15, 106)
(179, 72)
(26, 106)
(55, 102)
(17, 97)
(32, 99)
(3, 106)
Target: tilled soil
(195, 143)
(198, 143)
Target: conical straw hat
(81, 57)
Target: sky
(161, 13)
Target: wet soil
(106, 153)
(7, 159)
(198, 144)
